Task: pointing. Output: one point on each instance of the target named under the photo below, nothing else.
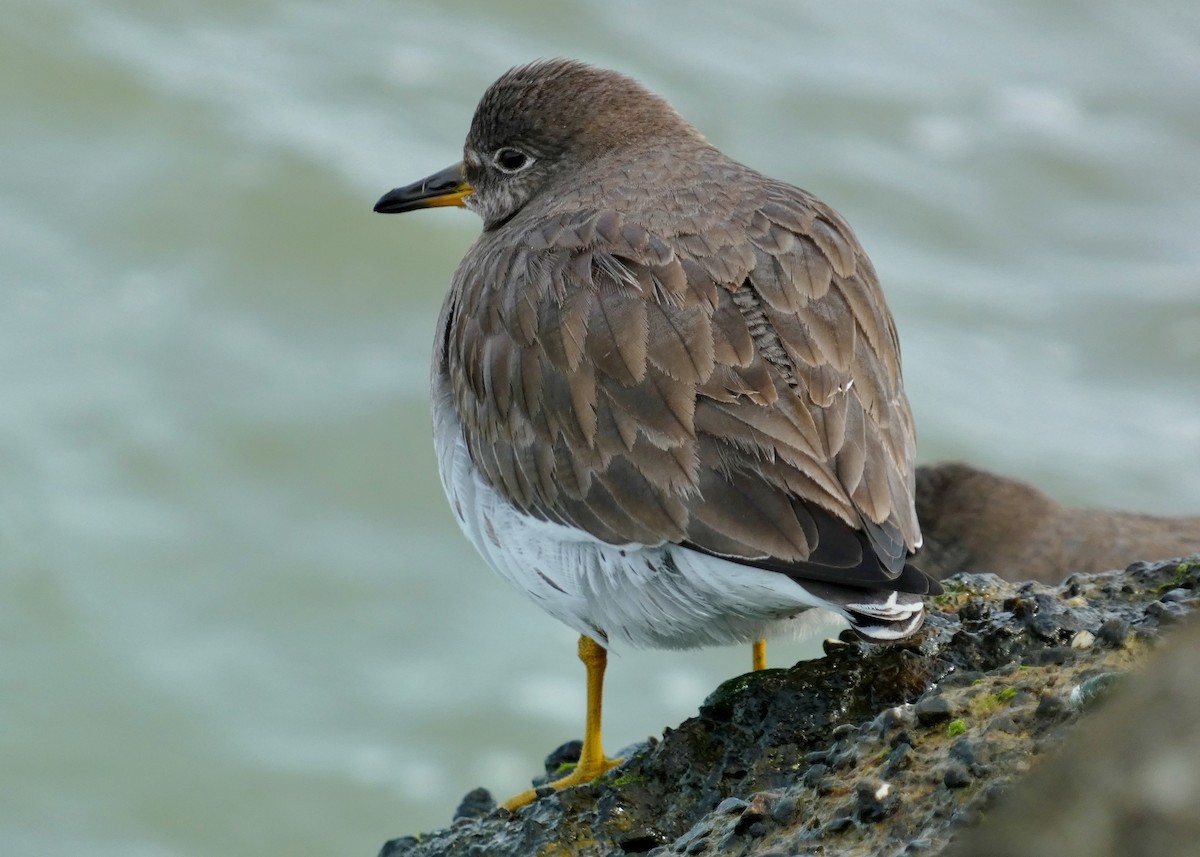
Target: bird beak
(447, 187)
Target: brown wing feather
(735, 388)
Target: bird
(974, 520)
(666, 389)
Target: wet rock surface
(1126, 781)
(870, 750)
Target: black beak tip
(443, 188)
(389, 203)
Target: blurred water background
(235, 614)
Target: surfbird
(667, 396)
(974, 520)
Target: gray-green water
(235, 616)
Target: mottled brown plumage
(670, 346)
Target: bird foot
(582, 773)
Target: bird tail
(886, 617)
(878, 615)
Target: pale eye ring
(510, 160)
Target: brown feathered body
(665, 367)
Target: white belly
(659, 596)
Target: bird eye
(511, 160)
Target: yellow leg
(592, 762)
(759, 654)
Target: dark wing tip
(846, 556)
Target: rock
(956, 776)
(963, 750)
(898, 759)
(754, 818)
(1112, 633)
(874, 801)
(732, 805)
(815, 776)
(933, 709)
(871, 750)
(1126, 782)
(476, 804)
(1050, 707)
